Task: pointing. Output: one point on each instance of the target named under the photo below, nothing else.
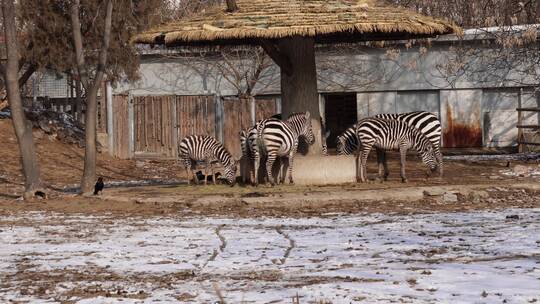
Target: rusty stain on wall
(459, 135)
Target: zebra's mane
(224, 157)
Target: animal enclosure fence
(152, 126)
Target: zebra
(387, 134)
(277, 138)
(248, 144)
(426, 122)
(205, 148)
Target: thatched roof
(325, 20)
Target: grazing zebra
(277, 138)
(426, 122)
(387, 134)
(205, 148)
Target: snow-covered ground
(477, 257)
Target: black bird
(99, 186)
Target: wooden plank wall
(196, 115)
(121, 127)
(161, 122)
(154, 126)
(265, 107)
(236, 117)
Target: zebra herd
(275, 138)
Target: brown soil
(61, 167)
(62, 164)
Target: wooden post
(110, 132)
(131, 126)
(231, 6)
(520, 123)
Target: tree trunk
(78, 101)
(90, 159)
(92, 86)
(23, 129)
(299, 88)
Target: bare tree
(23, 129)
(92, 85)
(246, 70)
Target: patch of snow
(478, 257)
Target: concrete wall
(351, 70)
(476, 109)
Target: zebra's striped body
(426, 122)
(205, 148)
(277, 138)
(250, 150)
(385, 134)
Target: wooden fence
(152, 126)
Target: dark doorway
(340, 112)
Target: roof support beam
(231, 6)
(281, 59)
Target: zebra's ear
(327, 134)
(308, 115)
(242, 133)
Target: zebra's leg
(358, 166)
(363, 161)
(385, 164)
(439, 156)
(282, 172)
(206, 172)
(256, 164)
(290, 169)
(380, 163)
(213, 175)
(270, 159)
(403, 155)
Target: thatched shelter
(288, 30)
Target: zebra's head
(307, 130)
(230, 172)
(340, 145)
(429, 158)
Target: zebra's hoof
(404, 180)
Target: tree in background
(23, 130)
(89, 40)
(478, 13)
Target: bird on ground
(99, 186)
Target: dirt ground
(150, 237)
(128, 191)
